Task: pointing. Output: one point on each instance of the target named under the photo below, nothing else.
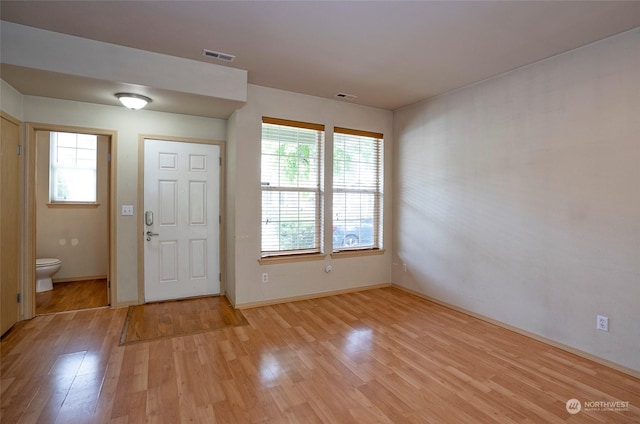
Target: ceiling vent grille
(345, 96)
(217, 55)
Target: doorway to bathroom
(69, 217)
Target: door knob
(150, 234)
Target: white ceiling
(388, 53)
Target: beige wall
(518, 198)
(243, 283)
(78, 236)
(303, 278)
(129, 125)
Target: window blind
(291, 182)
(357, 189)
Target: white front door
(181, 219)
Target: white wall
(518, 198)
(10, 100)
(303, 278)
(129, 125)
(230, 202)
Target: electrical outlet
(602, 323)
(265, 277)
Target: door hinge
(108, 157)
(19, 149)
(219, 219)
(108, 284)
(18, 298)
(220, 157)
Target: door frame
(140, 206)
(29, 270)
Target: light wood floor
(72, 296)
(161, 320)
(378, 356)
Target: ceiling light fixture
(133, 101)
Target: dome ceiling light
(133, 101)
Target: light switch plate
(127, 210)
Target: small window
(357, 190)
(291, 182)
(73, 164)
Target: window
(72, 167)
(291, 183)
(357, 189)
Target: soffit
(388, 53)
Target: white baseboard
(249, 305)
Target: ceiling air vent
(345, 96)
(217, 55)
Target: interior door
(9, 223)
(181, 219)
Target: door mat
(161, 320)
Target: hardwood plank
(377, 356)
(72, 296)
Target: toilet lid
(47, 261)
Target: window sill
(356, 253)
(74, 205)
(271, 260)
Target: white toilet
(45, 268)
